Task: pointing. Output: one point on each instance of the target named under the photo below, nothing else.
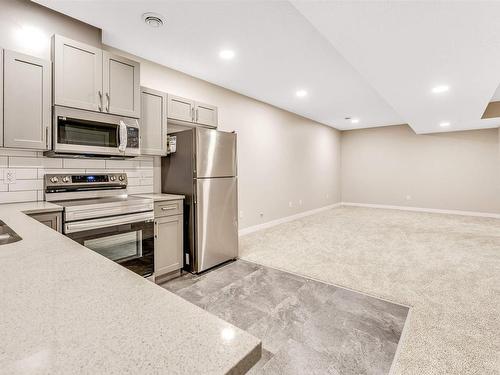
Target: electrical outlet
(290, 204)
(241, 214)
(300, 202)
(408, 197)
(9, 176)
(327, 196)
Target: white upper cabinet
(181, 109)
(121, 85)
(187, 110)
(153, 122)
(77, 74)
(85, 77)
(27, 101)
(205, 114)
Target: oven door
(90, 133)
(130, 244)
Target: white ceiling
(376, 61)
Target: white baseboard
(420, 209)
(286, 219)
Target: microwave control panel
(132, 137)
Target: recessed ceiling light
(226, 54)
(153, 19)
(444, 124)
(440, 89)
(301, 93)
(354, 120)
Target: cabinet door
(205, 114)
(168, 244)
(121, 85)
(27, 102)
(153, 122)
(181, 109)
(51, 219)
(77, 74)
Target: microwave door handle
(123, 137)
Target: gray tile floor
(306, 327)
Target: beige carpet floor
(446, 267)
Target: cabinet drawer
(168, 208)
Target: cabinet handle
(47, 137)
(192, 114)
(100, 101)
(107, 102)
(196, 114)
(169, 208)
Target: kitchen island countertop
(66, 309)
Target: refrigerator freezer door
(216, 222)
(215, 153)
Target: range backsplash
(30, 168)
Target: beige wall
(453, 171)
(27, 27)
(282, 157)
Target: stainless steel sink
(7, 235)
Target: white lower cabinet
(168, 241)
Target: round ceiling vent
(153, 19)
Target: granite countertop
(66, 309)
(158, 197)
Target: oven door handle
(123, 136)
(80, 226)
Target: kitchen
(82, 142)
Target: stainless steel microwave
(79, 133)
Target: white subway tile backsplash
(18, 196)
(42, 162)
(147, 181)
(31, 167)
(134, 181)
(21, 173)
(147, 164)
(84, 163)
(11, 152)
(122, 164)
(22, 185)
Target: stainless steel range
(99, 214)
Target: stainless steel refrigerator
(203, 168)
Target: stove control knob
(65, 179)
(122, 177)
(112, 178)
(54, 180)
